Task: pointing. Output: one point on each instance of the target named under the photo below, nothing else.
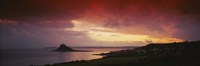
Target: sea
(26, 57)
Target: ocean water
(26, 57)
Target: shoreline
(168, 54)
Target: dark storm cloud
(36, 36)
(33, 23)
(188, 28)
(179, 18)
(138, 10)
(23, 9)
(40, 22)
(142, 10)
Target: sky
(47, 23)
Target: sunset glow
(99, 33)
(109, 36)
(98, 22)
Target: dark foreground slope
(171, 54)
(161, 50)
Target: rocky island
(64, 48)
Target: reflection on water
(69, 56)
(41, 56)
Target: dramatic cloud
(34, 23)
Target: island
(64, 48)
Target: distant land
(64, 48)
(95, 47)
(155, 54)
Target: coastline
(170, 54)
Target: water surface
(25, 57)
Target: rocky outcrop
(64, 48)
